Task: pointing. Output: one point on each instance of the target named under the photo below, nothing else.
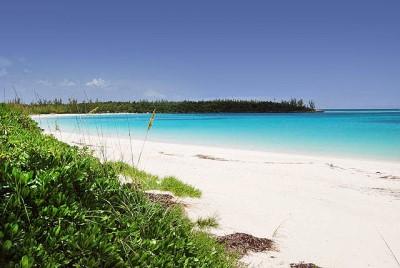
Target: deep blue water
(355, 133)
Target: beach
(200, 134)
(333, 212)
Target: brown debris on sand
(332, 166)
(243, 243)
(168, 154)
(166, 200)
(387, 191)
(303, 265)
(209, 157)
(390, 177)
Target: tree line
(164, 106)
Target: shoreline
(248, 150)
(366, 162)
(319, 153)
(33, 116)
(324, 210)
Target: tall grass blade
(151, 121)
(93, 110)
(390, 249)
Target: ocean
(370, 134)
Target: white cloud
(46, 83)
(3, 72)
(67, 83)
(96, 82)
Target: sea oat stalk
(153, 115)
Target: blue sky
(341, 54)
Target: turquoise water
(354, 133)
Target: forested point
(163, 106)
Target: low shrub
(59, 206)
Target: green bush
(59, 206)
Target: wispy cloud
(46, 83)
(67, 83)
(96, 82)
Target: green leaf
(25, 262)
(7, 244)
(14, 228)
(57, 230)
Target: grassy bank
(150, 182)
(59, 206)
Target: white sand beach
(329, 211)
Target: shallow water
(373, 134)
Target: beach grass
(147, 181)
(61, 206)
(207, 222)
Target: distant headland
(164, 106)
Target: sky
(341, 54)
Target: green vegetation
(175, 186)
(213, 106)
(60, 206)
(150, 182)
(209, 222)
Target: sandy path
(329, 211)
